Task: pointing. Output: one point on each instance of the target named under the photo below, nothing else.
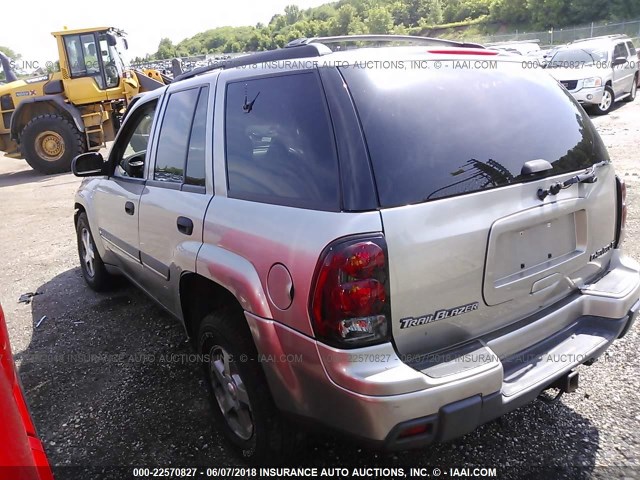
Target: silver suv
(398, 243)
(598, 71)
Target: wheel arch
(200, 296)
(78, 208)
(47, 104)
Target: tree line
(416, 17)
(351, 17)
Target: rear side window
(279, 142)
(459, 131)
(632, 49)
(174, 136)
(620, 51)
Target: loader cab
(91, 64)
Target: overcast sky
(26, 26)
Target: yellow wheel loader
(50, 119)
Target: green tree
(623, 9)
(322, 13)
(166, 49)
(280, 41)
(10, 53)
(548, 13)
(510, 11)
(278, 22)
(379, 20)
(345, 15)
(400, 13)
(292, 14)
(435, 16)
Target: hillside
(397, 16)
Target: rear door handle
(185, 225)
(129, 208)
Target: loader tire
(50, 142)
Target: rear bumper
(374, 394)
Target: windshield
(575, 57)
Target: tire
(608, 98)
(252, 422)
(50, 142)
(633, 91)
(93, 269)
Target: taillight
(621, 221)
(350, 296)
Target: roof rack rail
(287, 53)
(600, 37)
(381, 39)
(315, 47)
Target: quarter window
(632, 49)
(196, 154)
(279, 142)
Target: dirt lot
(129, 407)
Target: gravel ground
(131, 407)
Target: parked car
(399, 254)
(519, 47)
(598, 71)
(22, 456)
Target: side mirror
(90, 164)
(111, 40)
(619, 61)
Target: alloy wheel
(230, 392)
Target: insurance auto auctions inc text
(376, 472)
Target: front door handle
(129, 208)
(185, 225)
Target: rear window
(459, 131)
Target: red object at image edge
(22, 456)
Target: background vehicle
(379, 277)
(22, 456)
(523, 47)
(50, 119)
(598, 71)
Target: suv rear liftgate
(499, 234)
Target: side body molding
(237, 275)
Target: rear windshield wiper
(588, 176)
